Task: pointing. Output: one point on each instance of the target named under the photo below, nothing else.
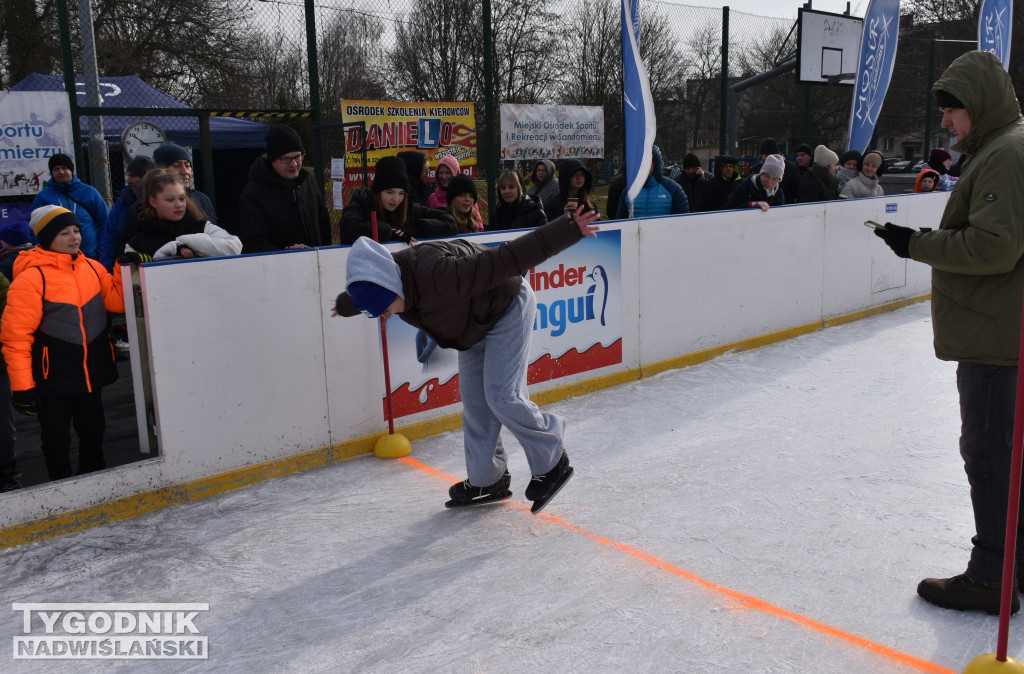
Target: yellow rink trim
(137, 504)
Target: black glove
(134, 258)
(25, 402)
(897, 238)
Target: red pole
(1012, 512)
(384, 346)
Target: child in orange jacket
(56, 342)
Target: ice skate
(543, 488)
(465, 494)
(9, 475)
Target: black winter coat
(817, 184)
(423, 222)
(748, 190)
(275, 213)
(525, 213)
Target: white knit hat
(774, 165)
(824, 156)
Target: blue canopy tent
(132, 92)
(235, 143)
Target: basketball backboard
(827, 47)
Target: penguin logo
(599, 276)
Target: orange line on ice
(743, 600)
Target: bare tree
(27, 43)
(523, 49)
(438, 54)
(188, 48)
(703, 87)
(351, 61)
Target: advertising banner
(995, 24)
(551, 131)
(874, 69)
(578, 328)
(641, 124)
(34, 126)
(390, 127)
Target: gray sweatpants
(492, 381)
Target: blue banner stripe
(638, 103)
(874, 69)
(995, 26)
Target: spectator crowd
(58, 277)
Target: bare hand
(334, 313)
(584, 220)
(296, 246)
(186, 252)
(764, 206)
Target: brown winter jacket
(456, 290)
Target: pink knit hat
(451, 162)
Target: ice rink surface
(768, 511)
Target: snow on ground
(768, 511)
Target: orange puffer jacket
(54, 329)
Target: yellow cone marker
(988, 664)
(394, 446)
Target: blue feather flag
(638, 103)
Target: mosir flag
(874, 69)
(639, 105)
(995, 22)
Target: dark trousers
(8, 433)
(57, 414)
(987, 395)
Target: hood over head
(570, 167)
(978, 80)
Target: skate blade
(493, 498)
(539, 504)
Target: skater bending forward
(474, 299)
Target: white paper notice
(337, 168)
(338, 190)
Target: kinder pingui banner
(34, 126)
(390, 127)
(578, 327)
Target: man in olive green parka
(977, 293)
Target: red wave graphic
(406, 401)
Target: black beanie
(768, 146)
(851, 154)
(139, 166)
(944, 99)
(461, 184)
(691, 161)
(281, 140)
(389, 173)
(805, 148)
(61, 159)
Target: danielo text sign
(110, 632)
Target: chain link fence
(242, 65)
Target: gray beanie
(774, 165)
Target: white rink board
(248, 366)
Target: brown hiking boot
(960, 593)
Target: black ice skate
(465, 494)
(9, 475)
(543, 488)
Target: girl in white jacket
(170, 224)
